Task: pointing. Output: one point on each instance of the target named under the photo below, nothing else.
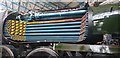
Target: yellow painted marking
(17, 24)
(23, 33)
(9, 21)
(13, 26)
(21, 25)
(24, 25)
(17, 27)
(16, 33)
(17, 21)
(12, 33)
(13, 21)
(24, 28)
(21, 22)
(21, 28)
(20, 31)
(12, 29)
(15, 30)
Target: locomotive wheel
(7, 52)
(42, 53)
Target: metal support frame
(12, 4)
(39, 4)
(8, 7)
(48, 4)
(35, 4)
(19, 5)
(55, 5)
(67, 5)
(16, 3)
(42, 5)
(81, 3)
(24, 4)
(62, 3)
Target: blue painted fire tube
(59, 15)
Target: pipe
(58, 15)
(55, 21)
(56, 24)
(46, 34)
(53, 27)
(57, 30)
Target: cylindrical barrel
(48, 27)
(57, 15)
